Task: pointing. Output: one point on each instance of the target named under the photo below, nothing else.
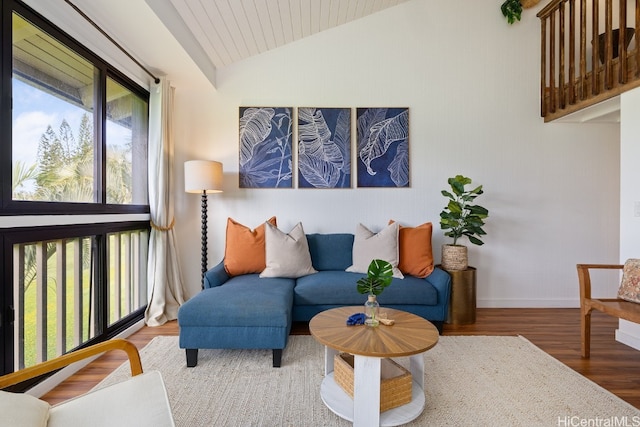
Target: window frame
(50, 223)
(9, 206)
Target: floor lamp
(203, 177)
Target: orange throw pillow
(416, 254)
(244, 252)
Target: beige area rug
(469, 381)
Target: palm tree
(21, 174)
(119, 175)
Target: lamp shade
(202, 176)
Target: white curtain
(166, 290)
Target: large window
(78, 127)
(53, 113)
(73, 143)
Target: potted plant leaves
(461, 218)
(512, 9)
(379, 276)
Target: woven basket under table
(395, 381)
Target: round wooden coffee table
(409, 336)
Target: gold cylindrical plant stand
(462, 305)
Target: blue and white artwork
(265, 147)
(383, 147)
(324, 147)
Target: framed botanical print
(324, 147)
(383, 147)
(265, 147)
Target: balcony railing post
(134, 285)
(562, 54)
(18, 298)
(583, 49)
(608, 45)
(78, 292)
(595, 47)
(552, 65)
(116, 281)
(41, 302)
(543, 68)
(622, 42)
(572, 51)
(142, 275)
(128, 260)
(61, 296)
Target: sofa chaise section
(243, 312)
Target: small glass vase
(371, 308)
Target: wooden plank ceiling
(232, 30)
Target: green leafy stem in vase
(379, 276)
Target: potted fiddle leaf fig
(461, 218)
(379, 276)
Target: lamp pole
(204, 236)
(203, 177)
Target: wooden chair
(617, 307)
(139, 401)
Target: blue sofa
(250, 312)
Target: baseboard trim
(632, 341)
(527, 303)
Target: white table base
(363, 409)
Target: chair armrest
(585, 279)
(216, 276)
(75, 356)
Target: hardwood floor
(612, 365)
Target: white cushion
(368, 246)
(287, 255)
(140, 401)
(22, 410)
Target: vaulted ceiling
(217, 33)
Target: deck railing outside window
(585, 57)
(127, 274)
(55, 299)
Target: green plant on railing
(512, 10)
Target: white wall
(628, 332)
(471, 83)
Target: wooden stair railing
(582, 65)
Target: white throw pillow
(368, 246)
(287, 255)
(18, 410)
